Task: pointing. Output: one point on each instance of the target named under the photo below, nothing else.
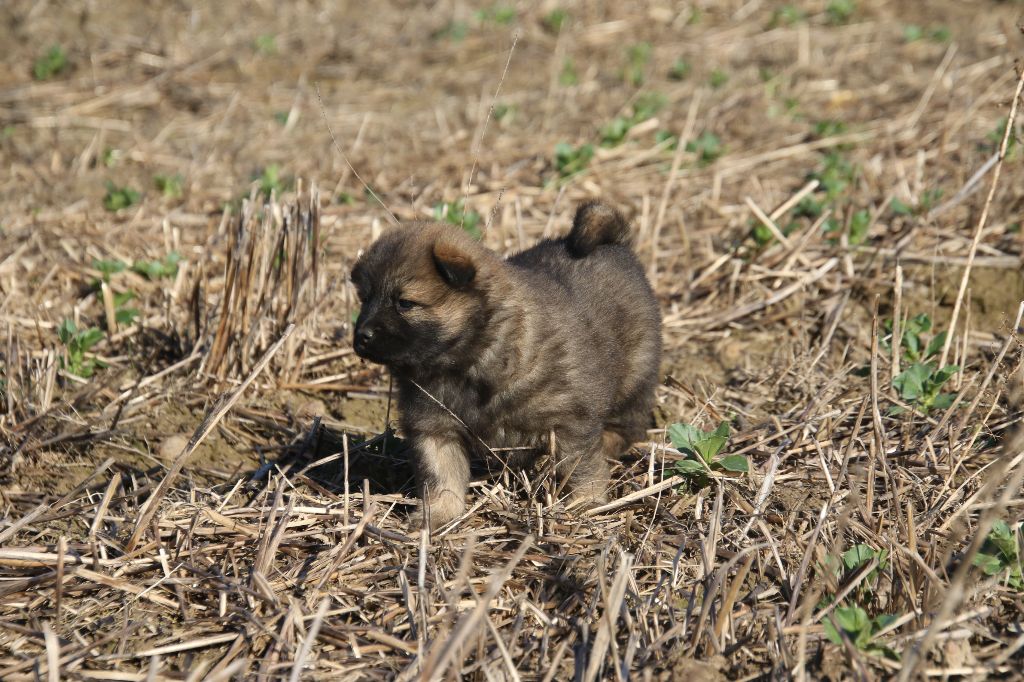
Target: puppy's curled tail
(595, 224)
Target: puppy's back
(611, 302)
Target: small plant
(158, 269)
(454, 31)
(637, 58)
(124, 315)
(996, 139)
(108, 268)
(499, 14)
(345, 199)
(921, 383)
(1000, 555)
(667, 139)
(787, 15)
(702, 449)
(645, 107)
(503, 111)
(554, 20)
(169, 185)
(271, 181)
(829, 128)
(117, 198)
(859, 628)
(571, 160)
(111, 157)
(840, 11)
(718, 78)
(707, 146)
(455, 213)
(76, 345)
(568, 76)
(265, 44)
(680, 70)
(50, 64)
(912, 33)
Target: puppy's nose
(364, 336)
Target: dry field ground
(800, 176)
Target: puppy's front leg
(580, 463)
(442, 470)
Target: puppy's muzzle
(363, 340)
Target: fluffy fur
(562, 340)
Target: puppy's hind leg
(442, 470)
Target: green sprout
(568, 76)
(117, 198)
(702, 449)
(854, 624)
(999, 555)
(169, 185)
(455, 213)
(840, 11)
(637, 58)
(570, 161)
(554, 20)
(50, 64)
(158, 269)
(707, 146)
(265, 44)
(76, 344)
(680, 70)
(921, 383)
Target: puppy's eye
(404, 304)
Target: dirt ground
(187, 179)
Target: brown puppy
(563, 338)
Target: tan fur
(563, 338)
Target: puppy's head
(423, 293)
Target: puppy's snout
(364, 336)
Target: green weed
(117, 198)
(265, 44)
(76, 344)
(498, 14)
(680, 70)
(920, 384)
(455, 31)
(554, 20)
(169, 185)
(568, 76)
(637, 58)
(854, 623)
(702, 449)
(158, 269)
(455, 213)
(707, 146)
(1000, 555)
(645, 107)
(51, 64)
(718, 78)
(787, 15)
(840, 11)
(571, 160)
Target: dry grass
(222, 499)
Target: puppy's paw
(445, 507)
(587, 495)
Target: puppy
(555, 349)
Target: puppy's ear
(455, 266)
